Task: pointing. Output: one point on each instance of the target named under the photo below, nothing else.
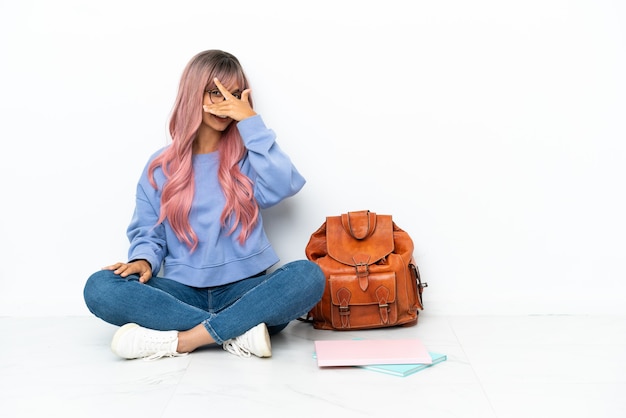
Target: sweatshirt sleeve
(274, 175)
(147, 239)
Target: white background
(493, 132)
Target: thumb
(245, 95)
(145, 276)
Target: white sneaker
(255, 341)
(132, 341)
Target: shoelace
(234, 347)
(159, 348)
(163, 353)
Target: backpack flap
(353, 307)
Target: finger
(112, 266)
(124, 270)
(227, 94)
(221, 88)
(129, 268)
(213, 109)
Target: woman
(197, 221)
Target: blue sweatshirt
(219, 257)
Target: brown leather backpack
(372, 280)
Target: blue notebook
(405, 369)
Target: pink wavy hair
(176, 160)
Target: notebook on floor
(367, 352)
(406, 369)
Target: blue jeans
(225, 311)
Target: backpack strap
(360, 224)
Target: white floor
(498, 366)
